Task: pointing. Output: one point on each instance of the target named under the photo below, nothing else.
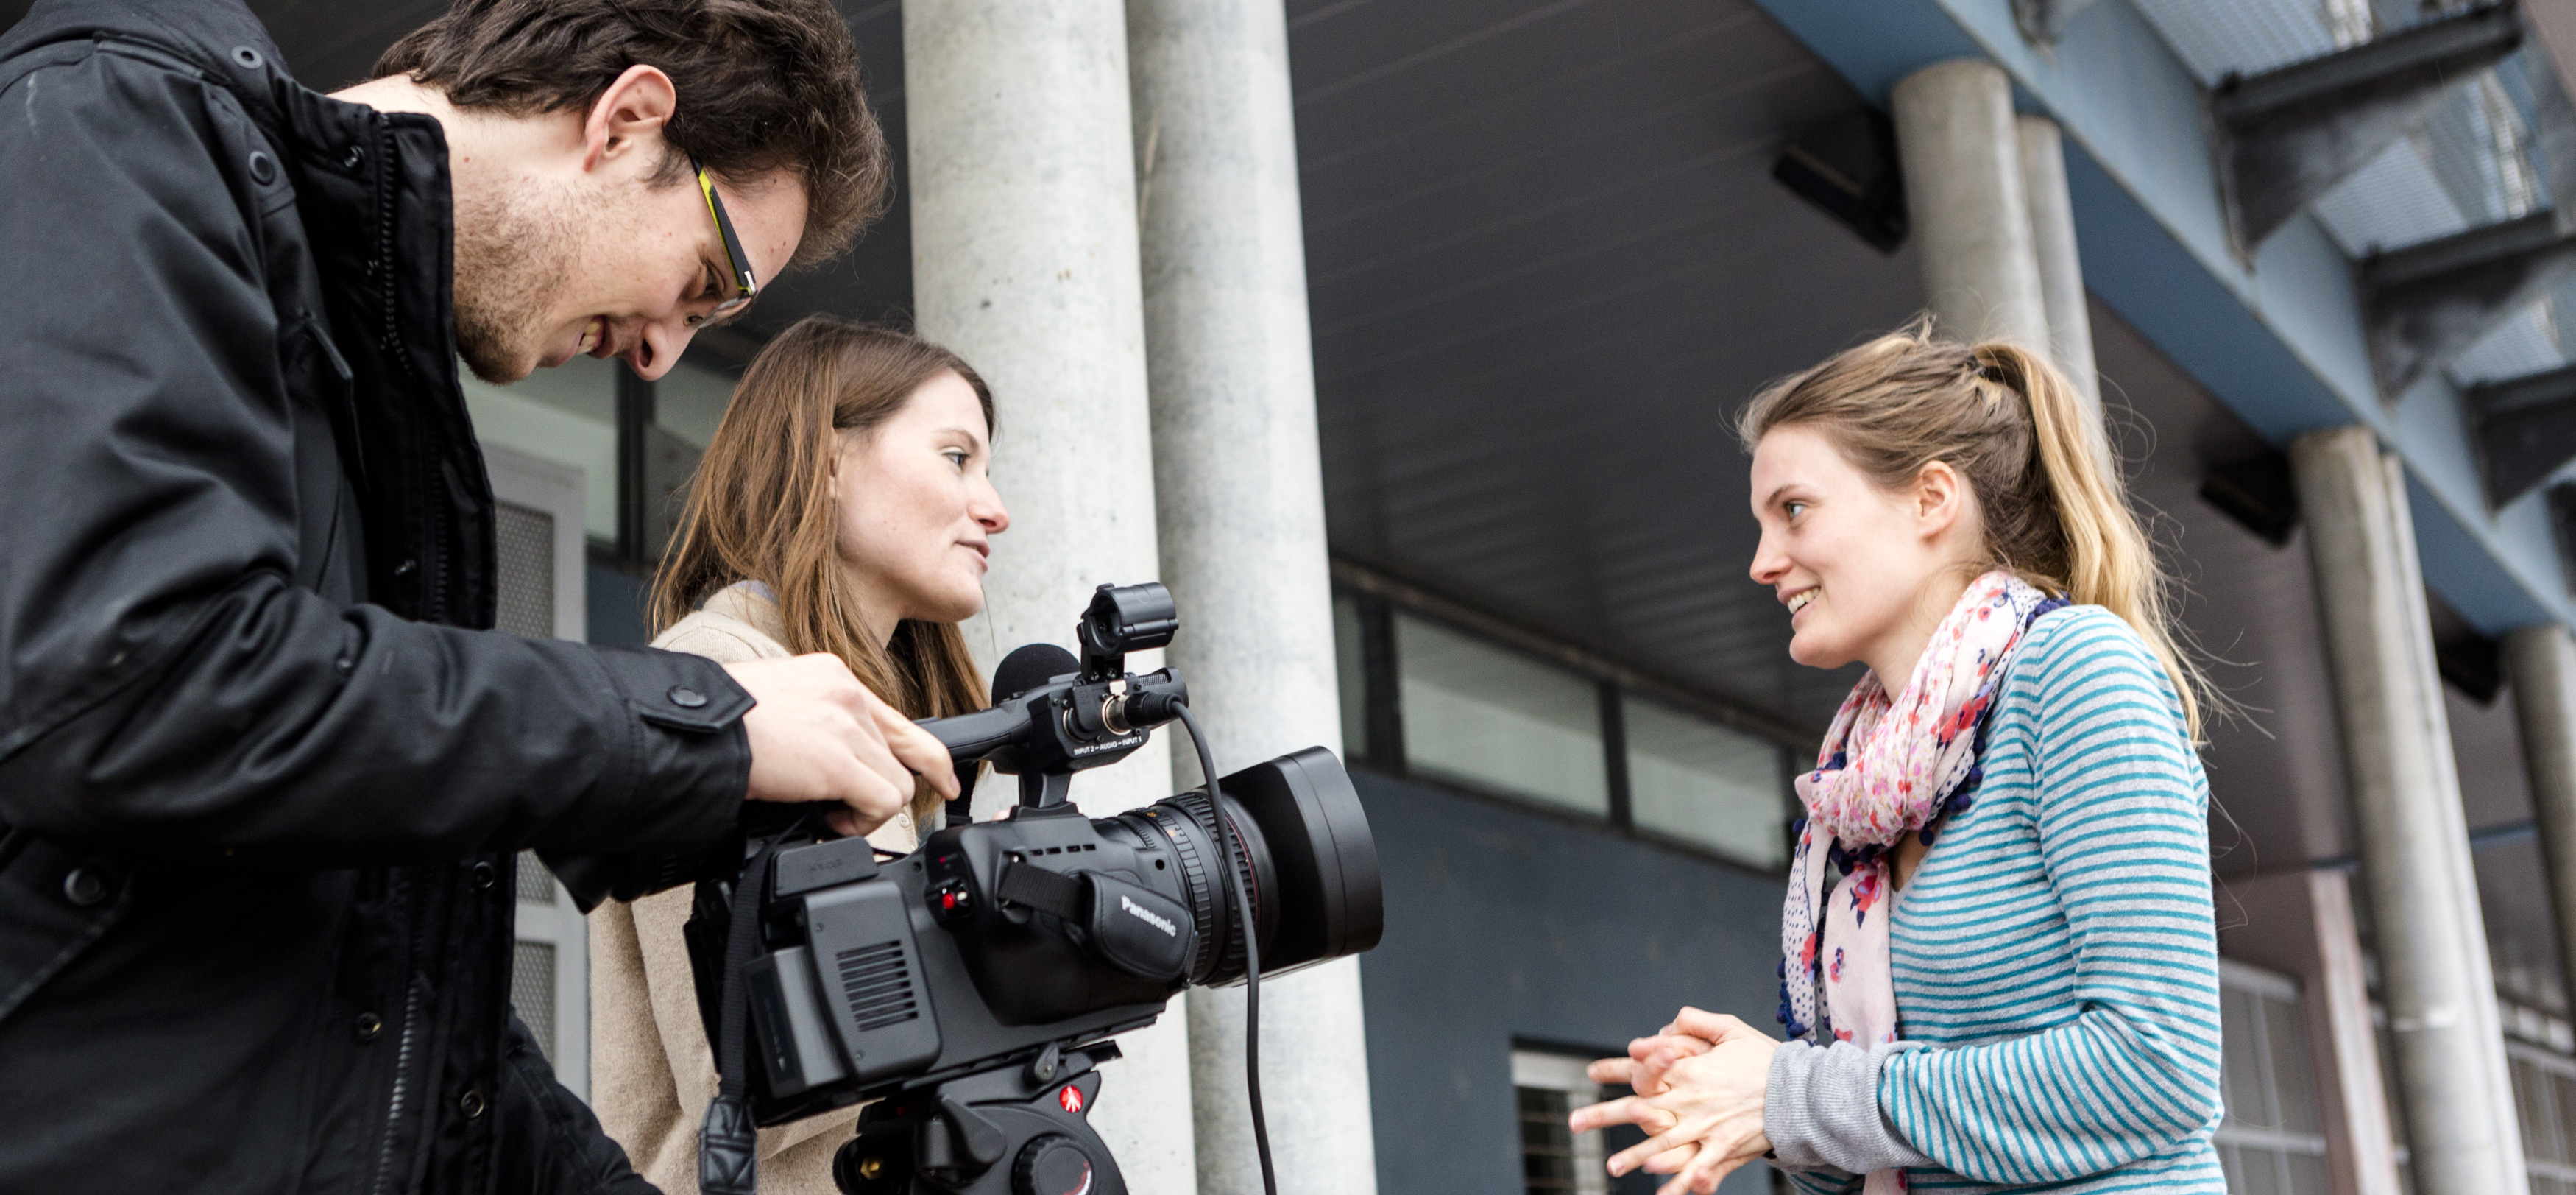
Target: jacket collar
(754, 603)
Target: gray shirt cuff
(1820, 1110)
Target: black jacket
(263, 770)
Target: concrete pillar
(1968, 205)
(2542, 663)
(1024, 261)
(1238, 481)
(2061, 272)
(2436, 982)
(2301, 923)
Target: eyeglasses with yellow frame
(745, 287)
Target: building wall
(1508, 927)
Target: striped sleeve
(2121, 821)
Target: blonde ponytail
(2029, 447)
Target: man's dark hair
(762, 85)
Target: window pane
(2287, 1039)
(690, 400)
(1490, 717)
(1711, 784)
(2262, 1173)
(2308, 1175)
(567, 415)
(1350, 666)
(1553, 1160)
(2562, 1091)
(2241, 1052)
(1547, 1145)
(2531, 1105)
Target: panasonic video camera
(973, 986)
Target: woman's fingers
(1674, 1045)
(1654, 1057)
(1670, 1161)
(1612, 1072)
(1714, 1027)
(1705, 1170)
(1677, 1137)
(1624, 1110)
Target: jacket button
(247, 57)
(345, 665)
(85, 886)
(687, 698)
(356, 157)
(369, 1025)
(484, 877)
(471, 1104)
(407, 567)
(263, 168)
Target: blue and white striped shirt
(2056, 951)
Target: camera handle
(1040, 790)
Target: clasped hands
(1699, 1086)
(817, 734)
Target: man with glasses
(263, 770)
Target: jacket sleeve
(2123, 834)
(164, 687)
(551, 1144)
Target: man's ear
(628, 117)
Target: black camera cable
(1231, 849)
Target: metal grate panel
(532, 990)
(536, 884)
(527, 558)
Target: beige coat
(651, 1071)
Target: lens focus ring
(1205, 902)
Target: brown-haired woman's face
(918, 508)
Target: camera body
(996, 940)
(972, 986)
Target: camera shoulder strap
(728, 1140)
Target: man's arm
(163, 686)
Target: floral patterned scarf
(1888, 766)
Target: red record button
(1071, 1097)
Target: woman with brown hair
(843, 506)
(2013, 984)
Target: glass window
(1493, 718)
(2544, 1093)
(688, 402)
(1350, 665)
(1547, 1088)
(567, 415)
(2270, 1142)
(1705, 783)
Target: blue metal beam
(2279, 340)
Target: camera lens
(1308, 863)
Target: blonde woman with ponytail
(842, 507)
(1999, 963)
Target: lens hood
(1330, 902)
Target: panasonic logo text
(1162, 923)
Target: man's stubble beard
(514, 259)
